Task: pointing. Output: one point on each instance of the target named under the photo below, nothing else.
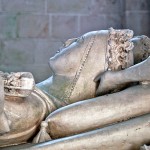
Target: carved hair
(119, 46)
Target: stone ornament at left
(22, 108)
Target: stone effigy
(100, 82)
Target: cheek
(66, 63)
(69, 59)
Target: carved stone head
(80, 60)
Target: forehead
(69, 47)
(72, 43)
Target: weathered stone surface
(17, 52)
(106, 7)
(45, 48)
(139, 22)
(33, 26)
(71, 6)
(138, 5)
(24, 5)
(64, 26)
(8, 26)
(91, 23)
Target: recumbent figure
(95, 65)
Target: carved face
(76, 65)
(66, 60)
(79, 62)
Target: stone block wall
(137, 15)
(31, 31)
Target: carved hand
(109, 82)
